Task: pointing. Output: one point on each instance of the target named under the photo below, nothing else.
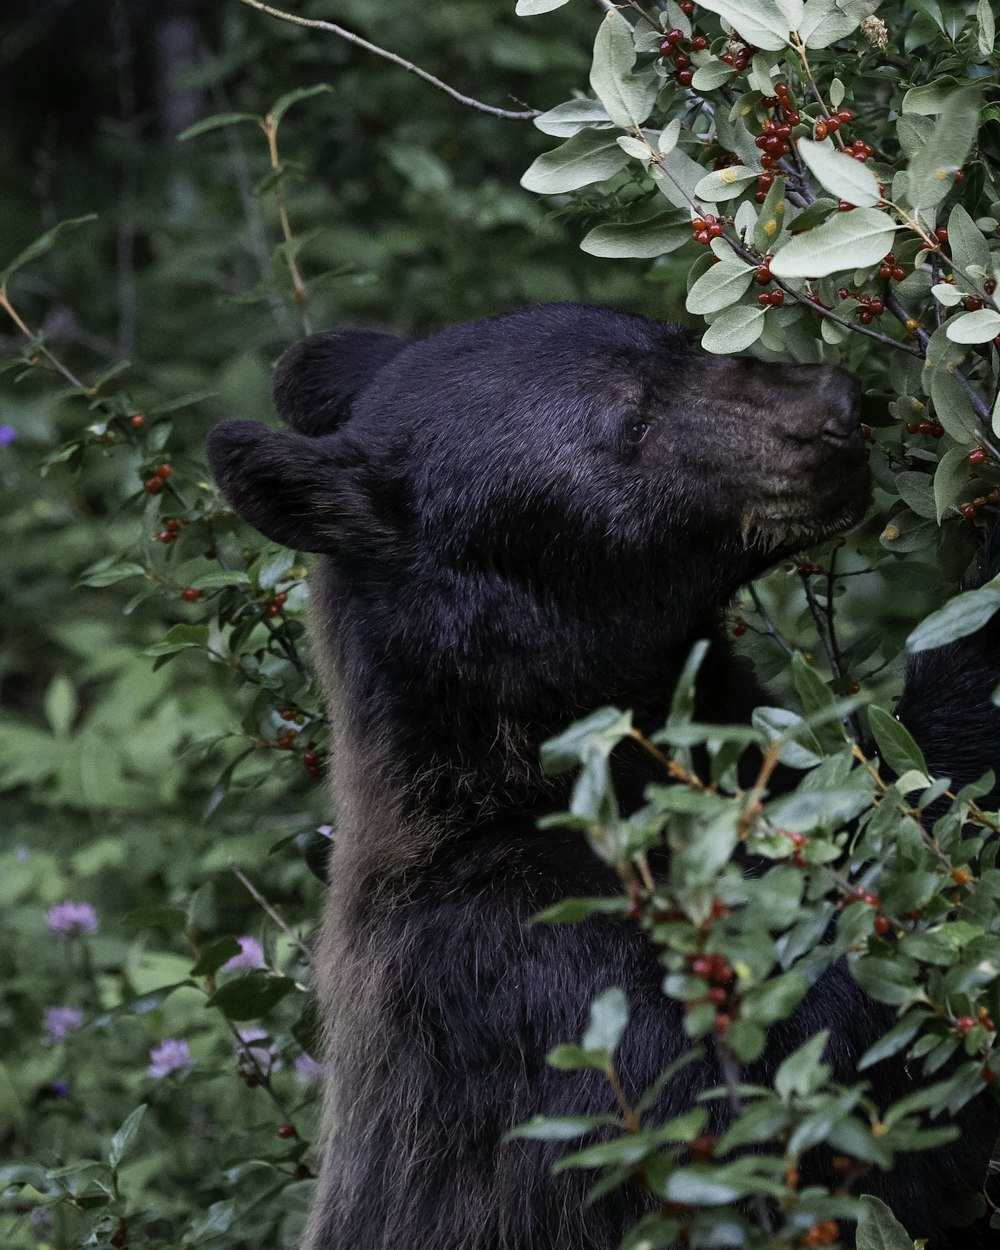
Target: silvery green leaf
(987, 27)
(719, 286)
(760, 22)
(845, 241)
(840, 174)
(628, 97)
(567, 119)
(933, 168)
(711, 75)
(946, 294)
(639, 240)
(969, 249)
(825, 21)
(734, 330)
(590, 156)
(634, 147)
(959, 617)
(677, 178)
(951, 480)
(669, 136)
(974, 327)
(528, 8)
(930, 99)
(725, 184)
(952, 406)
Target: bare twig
(298, 286)
(261, 901)
(351, 37)
(769, 624)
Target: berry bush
(813, 181)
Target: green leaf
(677, 178)
(590, 156)
(573, 910)
(124, 1137)
(561, 1128)
(916, 489)
(683, 701)
(112, 573)
(640, 240)
(770, 218)
(803, 1071)
(952, 406)
(60, 705)
(599, 732)
(930, 99)
(878, 1228)
(773, 1000)
(839, 174)
(142, 1004)
(931, 172)
(760, 22)
(719, 286)
(825, 21)
(950, 481)
(726, 184)
(627, 97)
(947, 294)
(735, 329)
(608, 1018)
(959, 617)
(965, 240)
(847, 241)
(41, 245)
(891, 1043)
(179, 638)
(217, 123)
(711, 75)
(569, 1058)
(251, 996)
(895, 744)
(224, 578)
(281, 106)
(987, 27)
(170, 918)
(528, 8)
(215, 954)
(981, 326)
(566, 120)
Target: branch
(341, 33)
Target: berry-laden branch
(316, 23)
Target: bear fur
(518, 520)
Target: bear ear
(292, 488)
(317, 380)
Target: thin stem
(70, 377)
(731, 1077)
(769, 624)
(261, 901)
(341, 33)
(298, 286)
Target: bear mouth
(791, 519)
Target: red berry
(769, 101)
(898, 272)
(965, 1025)
(719, 909)
(285, 1131)
(960, 175)
(844, 115)
(866, 432)
(280, 599)
(885, 271)
(760, 196)
(977, 457)
(877, 307)
(682, 60)
(698, 223)
(764, 299)
(990, 285)
(702, 966)
(164, 470)
(781, 89)
(675, 35)
(684, 77)
(793, 118)
(941, 234)
(137, 421)
(845, 206)
(865, 316)
(699, 43)
(777, 298)
(937, 431)
(762, 276)
(968, 511)
(820, 131)
(973, 303)
(190, 595)
(153, 485)
(832, 124)
(687, 7)
(722, 1022)
(882, 925)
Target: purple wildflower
(171, 1054)
(7, 435)
(60, 1088)
(251, 956)
(67, 920)
(306, 1068)
(62, 1020)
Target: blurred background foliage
(136, 786)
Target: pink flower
(251, 956)
(68, 920)
(306, 1068)
(62, 1020)
(171, 1055)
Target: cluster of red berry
(170, 531)
(965, 1024)
(825, 1233)
(831, 124)
(771, 299)
(970, 511)
(154, 484)
(869, 306)
(925, 427)
(311, 758)
(292, 714)
(860, 150)
(773, 142)
(718, 972)
(275, 604)
(190, 595)
(681, 59)
(739, 56)
(889, 269)
(707, 228)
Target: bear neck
(443, 701)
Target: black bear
(521, 519)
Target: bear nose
(842, 401)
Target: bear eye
(638, 430)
